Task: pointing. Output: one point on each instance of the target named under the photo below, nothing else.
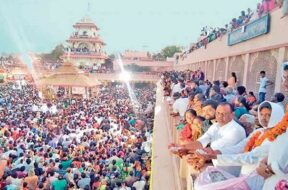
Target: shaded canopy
(68, 75)
(79, 80)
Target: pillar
(205, 69)
(246, 66)
(214, 69)
(226, 67)
(280, 61)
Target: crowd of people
(103, 68)
(209, 34)
(8, 61)
(227, 138)
(101, 143)
(51, 65)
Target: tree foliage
(111, 56)
(136, 68)
(55, 54)
(169, 51)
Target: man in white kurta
(180, 106)
(235, 156)
(224, 133)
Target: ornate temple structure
(85, 47)
(72, 80)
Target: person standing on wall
(264, 82)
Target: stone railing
(165, 167)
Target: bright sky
(39, 25)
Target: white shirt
(219, 137)
(139, 185)
(53, 109)
(180, 106)
(176, 88)
(225, 136)
(44, 108)
(35, 108)
(263, 84)
(235, 155)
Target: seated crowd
(101, 143)
(226, 138)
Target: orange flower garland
(250, 144)
(271, 134)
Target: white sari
(278, 160)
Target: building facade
(142, 59)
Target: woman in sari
(275, 167)
(232, 80)
(186, 137)
(191, 132)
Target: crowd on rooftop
(209, 34)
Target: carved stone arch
(275, 52)
(220, 70)
(264, 61)
(83, 45)
(237, 64)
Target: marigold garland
(271, 134)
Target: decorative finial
(88, 8)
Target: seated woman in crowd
(251, 99)
(241, 107)
(189, 132)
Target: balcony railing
(165, 167)
(83, 52)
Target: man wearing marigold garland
(249, 152)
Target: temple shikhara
(85, 47)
